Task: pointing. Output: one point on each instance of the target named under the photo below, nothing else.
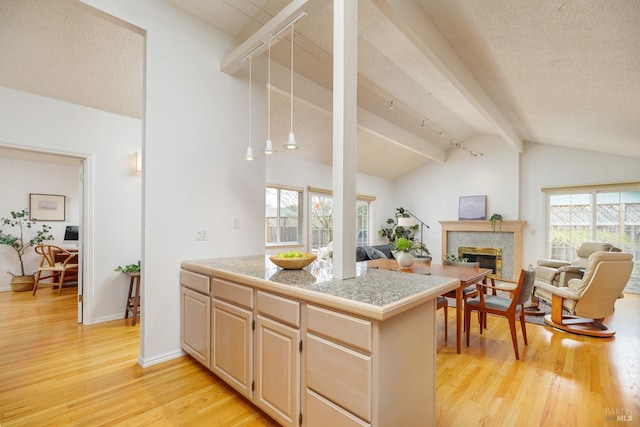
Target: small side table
(133, 299)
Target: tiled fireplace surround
(507, 237)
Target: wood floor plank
(54, 372)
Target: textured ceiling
(57, 49)
(559, 72)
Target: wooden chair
(55, 270)
(442, 302)
(510, 307)
(591, 298)
(469, 291)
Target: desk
(467, 277)
(71, 274)
(133, 299)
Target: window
(282, 215)
(321, 207)
(594, 213)
(321, 221)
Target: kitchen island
(312, 350)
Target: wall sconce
(138, 161)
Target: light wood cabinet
(195, 334)
(301, 360)
(359, 372)
(195, 305)
(232, 345)
(278, 370)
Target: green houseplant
(129, 268)
(404, 246)
(393, 232)
(20, 242)
(496, 218)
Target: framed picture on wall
(46, 207)
(472, 208)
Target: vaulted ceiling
(563, 73)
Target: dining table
(467, 276)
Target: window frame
(301, 210)
(595, 227)
(329, 193)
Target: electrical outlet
(201, 235)
(236, 223)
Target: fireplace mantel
(514, 227)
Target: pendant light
(268, 148)
(249, 155)
(291, 144)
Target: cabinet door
(278, 370)
(232, 345)
(195, 333)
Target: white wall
(108, 141)
(549, 166)
(432, 192)
(33, 176)
(195, 176)
(511, 181)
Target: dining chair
(511, 307)
(441, 302)
(55, 270)
(469, 291)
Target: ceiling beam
(319, 97)
(259, 41)
(411, 20)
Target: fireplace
(487, 257)
(480, 234)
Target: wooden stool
(133, 299)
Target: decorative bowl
(294, 263)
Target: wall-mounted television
(71, 233)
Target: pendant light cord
(269, 96)
(250, 72)
(292, 78)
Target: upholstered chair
(591, 298)
(558, 273)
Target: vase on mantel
(405, 259)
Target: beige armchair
(558, 273)
(591, 298)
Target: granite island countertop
(373, 293)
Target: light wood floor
(56, 372)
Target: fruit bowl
(293, 263)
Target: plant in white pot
(404, 246)
(20, 242)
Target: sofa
(366, 253)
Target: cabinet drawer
(348, 330)
(340, 375)
(197, 282)
(232, 292)
(279, 308)
(321, 413)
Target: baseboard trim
(145, 363)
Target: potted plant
(394, 232)
(20, 221)
(404, 247)
(495, 218)
(452, 259)
(129, 268)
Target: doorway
(34, 171)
